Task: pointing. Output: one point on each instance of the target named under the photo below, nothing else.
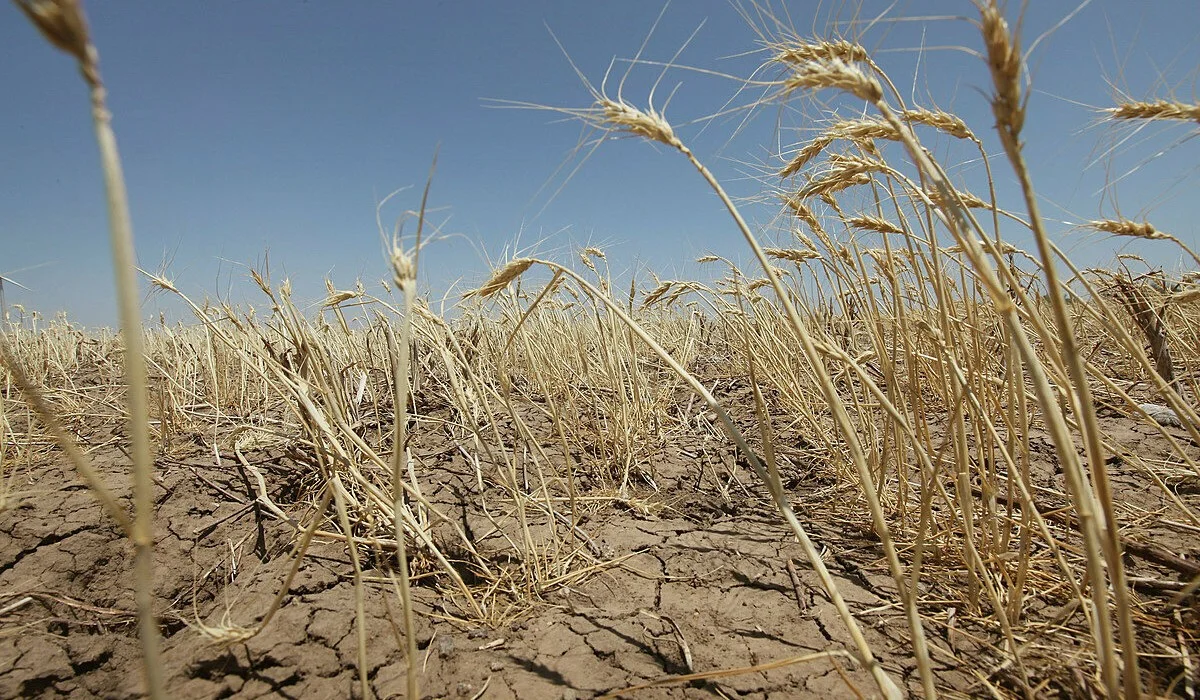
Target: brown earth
(702, 582)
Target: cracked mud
(702, 583)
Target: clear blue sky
(271, 125)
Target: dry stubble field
(899, 456)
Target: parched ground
(705, 584)
(713, 593)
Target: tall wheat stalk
(404, 276)
(1004, 60)
(63, 24)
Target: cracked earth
(706, 581)
(699, 592)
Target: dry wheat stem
(1134, 350)
(885, 683)
(1004, 61)
(841, 417)
(400, 374)
(307, 410)
(340, 496)
(78, 458)
(63, 24)
(404, 275)
(1006, 308)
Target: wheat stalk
(873, 223)
(503, 276)
(1156, 110)
(804, 155)
(1133, 229)
(792, 254)
(64, 25)
(804, 52)
(942, 121)
(833, 73)
(1004, 61)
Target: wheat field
(893, 455)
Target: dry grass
(918, 353)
